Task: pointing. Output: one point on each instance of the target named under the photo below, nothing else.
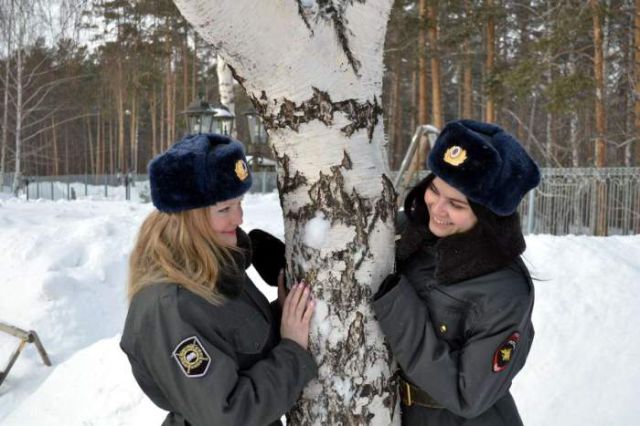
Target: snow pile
(63, 272)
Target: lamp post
(257, 132)
(258, 139)
(203, 117)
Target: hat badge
(455, 155)
(241, 170)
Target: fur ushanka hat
(485, 163)
(198, 171)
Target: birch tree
(313, 70)
(225, 84)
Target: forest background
(99, 87)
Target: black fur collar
(489, 246)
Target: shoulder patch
(504, 353)
(192, 357)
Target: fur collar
(467, 255)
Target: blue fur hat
(485, 163)
(198, 171)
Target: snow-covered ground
(63, 271)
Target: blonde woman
(203, 342)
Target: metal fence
(114, 187)
(566, 202)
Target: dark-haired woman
(457, 313)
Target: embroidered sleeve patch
(504, 353)
(192, 357)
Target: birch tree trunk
(56, 155)
(313, 71)
(225, 85)
(120, 110)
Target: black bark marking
(302, 12)
(387, 203)
(319, 107)
(237, 77)
(289, 183)
(333, 11)
(347, 164)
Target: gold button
(443, 328)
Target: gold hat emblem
(241, 170)
(455, 156)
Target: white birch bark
(313, 70)
(225, 85)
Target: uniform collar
(466, 255)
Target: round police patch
(192, 357)
(504, 353)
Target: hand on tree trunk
(296, 315)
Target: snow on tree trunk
(313, 70)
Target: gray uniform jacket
(459, 336)
(213, 365)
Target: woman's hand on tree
(296, 314)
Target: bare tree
(490, 40)
(313, 70)
(6, 18)
(436, 92)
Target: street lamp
(257, 132)
(203, 117)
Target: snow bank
(63, 271)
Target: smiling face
(449, 210)
(225, 217)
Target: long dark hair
(504, 232)
(414, 205)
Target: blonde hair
(179, 248)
